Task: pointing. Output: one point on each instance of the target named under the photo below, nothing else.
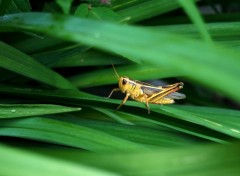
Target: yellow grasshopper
(147, 93)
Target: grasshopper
(147, 93)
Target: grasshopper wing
(150, 90)
(176, 95)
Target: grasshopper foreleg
(114, 90)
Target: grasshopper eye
(124, 82)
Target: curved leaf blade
(65, 133)
(74, 98)
(23, 110)
(16, 162)
(195, 161)
(16, 61)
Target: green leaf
(142, 10)
(16, 162)
(175, 121)
(205, 160)
(37, 44)
(82, 57)
(23, 110)
(52, 7)
(97, 13)
(65, 5)
(24, 5)
(114, 116)
(17, 6)
(222, 120)
(147, 134)
(134, 71)
(193, 13)
(103, 13)
(65, 133)
(23, 64)
(82, 10)
(219, 30)
(4, 5)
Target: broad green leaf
(82, 10)
(205, 160)
(23, 110)
(153, 136)
(65, 133)
(16, 162)
(16, 61)
(65, 5)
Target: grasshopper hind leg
(143, 98)
(148, 109)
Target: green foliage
(56, 69)
(23, 110)
(191, 9)
(65, 5)
(20, 63)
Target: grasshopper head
(123, 83)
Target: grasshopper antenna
(115, 71)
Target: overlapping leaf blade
(27, 164)
(23, 110)
(55, 131)
(23, 64)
